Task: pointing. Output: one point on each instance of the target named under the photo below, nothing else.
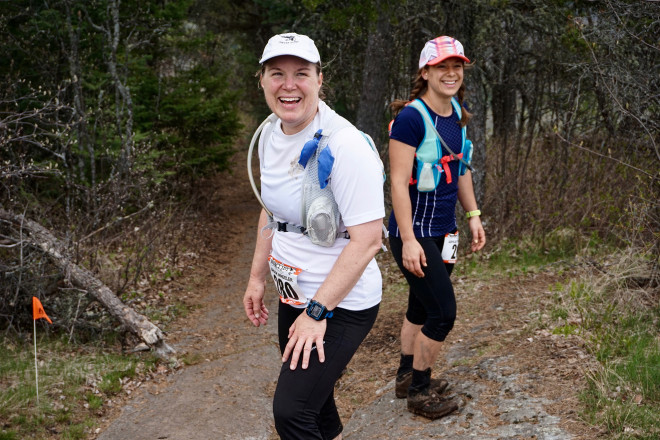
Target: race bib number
(285, 278)
(450, 248)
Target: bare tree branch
(82, 278)
(581, 147)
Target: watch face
(316, 310)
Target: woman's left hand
(478, 234)
(305, 335)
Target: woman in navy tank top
(422, 227)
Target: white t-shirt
(356, 181)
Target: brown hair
(420, 85)
(262, 70)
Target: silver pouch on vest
(322, 220)
(320, 213)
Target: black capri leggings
(431, 300)
(304, 403)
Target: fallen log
(138, 324)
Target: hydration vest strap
(310, 147)
(274, 225)
(288, 227)
(418, 105)
(445, 165)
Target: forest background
(113, 115)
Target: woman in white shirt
(329, 294)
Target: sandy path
(226, 394)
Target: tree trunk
(476, 132)
(375, 76)
(82, 278)
(125, 104)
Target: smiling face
(445, 78)
(291, 88)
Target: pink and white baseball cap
(439, 49)
(300, 46)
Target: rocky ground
(514, 379)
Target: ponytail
(465, 115)
(418, 89)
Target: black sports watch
(318, 311)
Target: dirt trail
(226, 393)
(515, 382)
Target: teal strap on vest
(425, 149)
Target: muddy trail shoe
(431, 405)
(403, 382)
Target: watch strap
(474, 213)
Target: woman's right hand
(253, 302)
(413, 257)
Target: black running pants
(431, 300)
(304, 404)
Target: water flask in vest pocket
(427, 177)
(322, 221)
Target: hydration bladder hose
(270, 119)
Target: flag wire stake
(36, 369)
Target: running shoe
(403, 382)
(429, 404)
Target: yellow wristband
(472, 213)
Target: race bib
(285, 278)
(450, 248)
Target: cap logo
(297, 45)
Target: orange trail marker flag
(37, 313)
(38, 310)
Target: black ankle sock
(405, 364)
(420, 379)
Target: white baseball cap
(300, 46)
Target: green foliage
(197, 122)
(529, 254)
(156, 83)
(559, 313)
(280, 15)
(620, 328)
(74, 432)
(565, 330)
(94, 129)
(111, 382)
(623, 418)
(617, 321)
(94, 401)
(69, 378)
